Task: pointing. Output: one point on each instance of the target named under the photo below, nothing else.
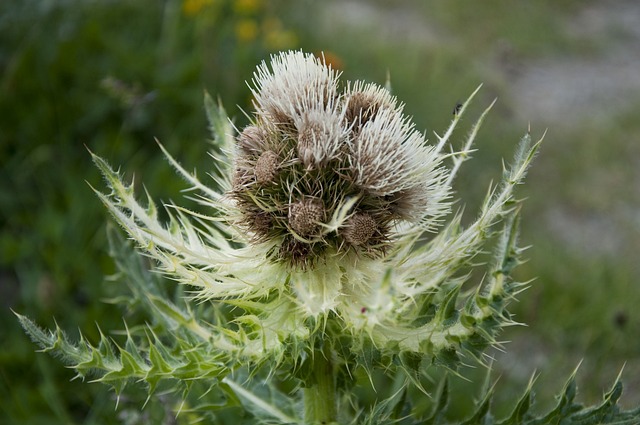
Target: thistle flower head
(343, 169)
(328, 210)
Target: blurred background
(113, 75)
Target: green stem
(320, 398)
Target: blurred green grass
(112, 76)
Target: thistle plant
(325, 257)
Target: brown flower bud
(359, 229)
(361, 108)
(252, 139)
(266, 167)
(305, 215)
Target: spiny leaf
(482, 413)
(447, 312)
(185, 362)
(440, 404)
(222, 134)
(521, 409)
(566, 412)
(219, 124)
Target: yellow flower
(246, 7)
(276, 37)
(193, 7)
(280, 40)
(246, 30)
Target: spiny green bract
(405, 305)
